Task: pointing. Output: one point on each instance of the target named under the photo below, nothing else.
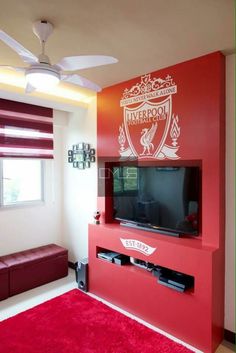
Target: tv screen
(157, 198)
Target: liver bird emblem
(146, 140)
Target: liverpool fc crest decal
(148, 124)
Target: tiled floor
(26, 300)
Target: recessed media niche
(170, 278)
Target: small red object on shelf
(96, 217)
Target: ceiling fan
(41, 73)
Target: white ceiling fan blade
(25, 54)
(81, 81)
(29, 88)
(16, 68)
(71, 63)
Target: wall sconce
(81, 155)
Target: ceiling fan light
(41, 78)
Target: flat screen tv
(161, 199)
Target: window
(21, 181)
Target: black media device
(176, 280)
(159, 199)
(111, 256)
(173, 279)
(121, 260)
(108, 255)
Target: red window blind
(26, 130)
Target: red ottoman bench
(4, 281)
(32, 268)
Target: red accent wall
(199, 104)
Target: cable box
(108, 256)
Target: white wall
(230, 193)
(26, 227)
(80, 186)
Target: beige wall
(80, 186)
(230, 195)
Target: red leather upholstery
(33, 256)
(34, 267)
(4, 281)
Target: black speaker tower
(81, 271)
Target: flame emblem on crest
(121, 138)
(175, 130)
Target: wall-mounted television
(162, 199)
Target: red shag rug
(76, 323)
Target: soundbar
(150, 228)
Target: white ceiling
(144, 35)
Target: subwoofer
(82, 274)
